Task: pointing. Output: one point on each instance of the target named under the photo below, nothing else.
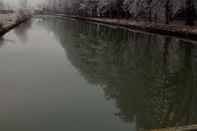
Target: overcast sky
(30, 2)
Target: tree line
(165, 11)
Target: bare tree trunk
(150, 15)
(149, 2)
(167, 12)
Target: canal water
(60, 74)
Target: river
(62, 74)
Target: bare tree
(168, 11)
(149, 9)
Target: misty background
(157, 11)
(18, 3)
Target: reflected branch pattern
(151, 78)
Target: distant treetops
(164, 11)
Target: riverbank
(181, 31)
(11, 20)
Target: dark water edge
(69, 74)
(181, 32)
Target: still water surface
(59, 74)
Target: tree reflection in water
(22, 30)
(152, 78)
